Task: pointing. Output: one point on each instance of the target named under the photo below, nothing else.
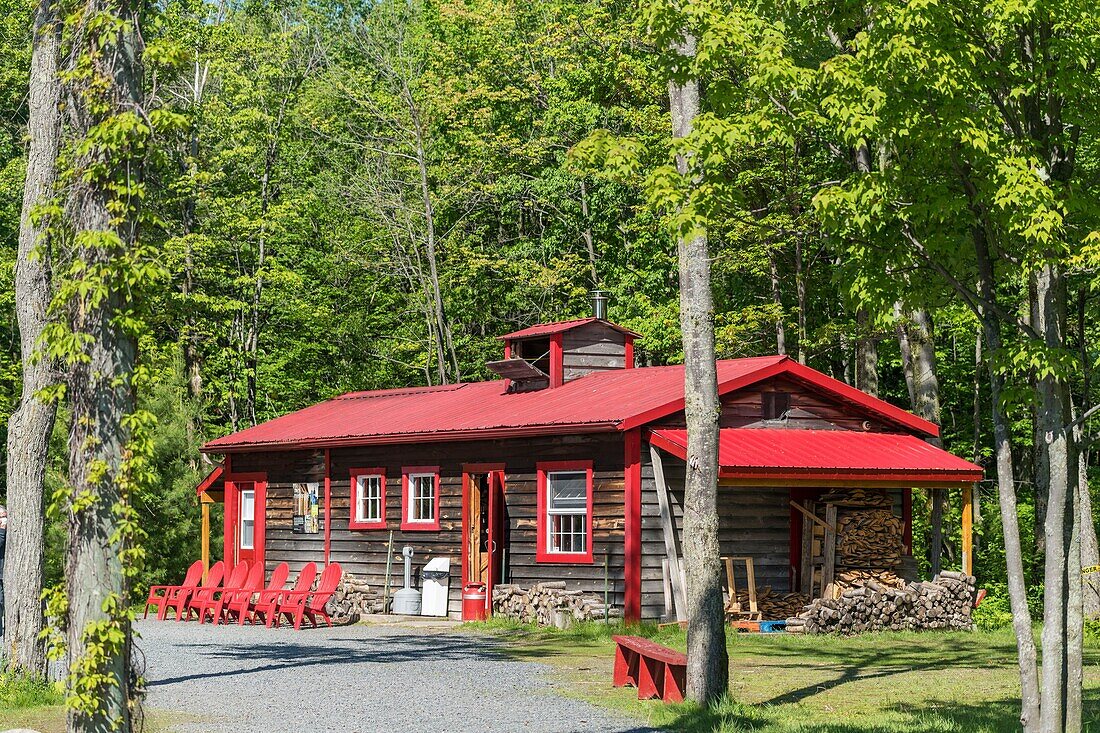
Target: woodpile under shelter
(569, 469)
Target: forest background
(361, 197)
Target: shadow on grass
(932, 716)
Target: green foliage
(19, 692)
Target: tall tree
(708, 660)
(110, 128)
(32, 422)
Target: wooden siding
(363, 552)
(745, 407)
(592, 348)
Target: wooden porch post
(968, 529)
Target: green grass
(780, 683)
(31, 703)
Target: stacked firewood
(944, 603)
(869, 537)
(548, 604)
(773, 605)
(861, 576)
(353, 599)
(866, 498)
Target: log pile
(869, 537)
(945, 603)
(548, 604)
(773, 605)
(856, 577)
(352, 600)
(864, 498)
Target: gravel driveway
(231, 679)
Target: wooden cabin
(569, 468)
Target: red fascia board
(404, 438)
(810, 474)
(730, 385)
(872, 404)
(211, 479)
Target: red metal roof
(604, 401)
(547, 329)
(746, 453)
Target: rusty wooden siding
(363, 552)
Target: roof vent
(599, 304)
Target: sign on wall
(308, 518)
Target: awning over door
(828, 455)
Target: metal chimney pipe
(599, 303)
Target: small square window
(368, 499)
(420, 510)
(774, 405)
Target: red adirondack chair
(268, 607)
(182, 601)
(208, 596)
(253, 583)
(162, 596)
(244, 607)
(297, 606)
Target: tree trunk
(866, 356)
(777, 301)
(1059, 476)
(32, 422)
(1006, 492)
(103, 221)
(800, 291)
(708, 662)
(926, 403)
(586, 233)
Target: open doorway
(483, 546)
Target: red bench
(655, 670)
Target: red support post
(632, 512)
(556, 366)
(629, 361)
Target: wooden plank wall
(743, 407)
(592, 348)
(752, 521)
(363, 552)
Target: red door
(245, 499)
(496, 533)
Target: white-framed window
(567, 512)
(248, 519)
(421, 502)
(368, 498)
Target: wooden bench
(655, 670)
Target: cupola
(550, 354)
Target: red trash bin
(473, 602)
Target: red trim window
(368, 498)
(420, 498)
(564, 512)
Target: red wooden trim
(232, 514)
(629, 362)
(467, 470)
(632, 535)
(354, 523)
(259, 525)
(860, 398)
(409, 526)
(507, 355)
(907, 516)
(211, 479)
(556, 367)
(328, 504)
(913, 478)
(542, 550)
(578, 428)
